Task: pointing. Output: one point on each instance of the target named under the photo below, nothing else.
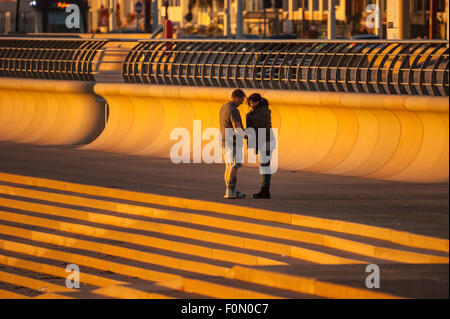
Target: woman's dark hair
(257, 98)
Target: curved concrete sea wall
(49, 112)
(389, 137)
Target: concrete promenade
(416, 208)
(253, 257)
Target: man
(259, 118)
(230, 121)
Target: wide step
(156, 247)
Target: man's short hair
(238, 93)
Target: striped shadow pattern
(137, 245)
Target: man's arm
(238, 129)
(237, 125)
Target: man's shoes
(263, 194)
(239, 195)
(230, 194)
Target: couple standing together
(259, 119)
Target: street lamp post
(291, 10)
(433, 19)
(379, 19)
(447, 15)
(405, 19)
(17, 16)
(265, 23)
(331, 20)
(266, 4)
(239, 19)
(168, 26)
(155, 15)
(166, 6)
(226, 19)
(148, 15)
(302, 24)
(111, 15)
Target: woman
(259, 117)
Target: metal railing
(384, 67)
(49, 58)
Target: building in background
(40, 16)
(28, 21)
(302, 18)
(52, 15)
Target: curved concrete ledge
(400, 138)
(49, 112)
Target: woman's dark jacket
(260, 117)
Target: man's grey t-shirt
(229, 113)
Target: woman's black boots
(264, 193)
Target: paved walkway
(417, 208)
(133, 244)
